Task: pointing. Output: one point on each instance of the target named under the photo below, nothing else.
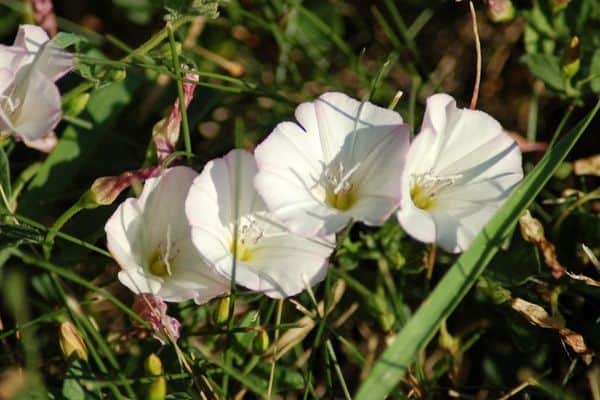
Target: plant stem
(182, 106)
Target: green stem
(71, 276)
(58, 224)
(276, 338)
(182, 106)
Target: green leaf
(13, 235)
(420, 329)
(5, 179)
(547, 68)
(595, 72)
(76, 147)
(71, 390)
(66, 39)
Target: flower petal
(41, 108)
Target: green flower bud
(77, 105)
(118, 75)
(261, 341)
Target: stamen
(249, 234)
(425, 187)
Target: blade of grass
(420, 329)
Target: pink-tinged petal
(53, 61)
(45, 144)
(44, 55)
(40, 109)
(30, 37)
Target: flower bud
(105, 189)
(261, 341)
(77, 105)
(222, 312)
(501, 10)
(571, 60)
(71, 343)
(118, 75)
(157, 389)
(153, 310)
(165, 50)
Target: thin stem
(478, 51)
(182, 106)
(65, 236)
(329, 346)
(276, 338)
(59, 223)
(71, 276)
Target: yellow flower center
(426, 187)
(342, 201)
(159, 265)
(339, 188)
(248, 235)
(421, 197)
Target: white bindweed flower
(239, 237)
(337, 164)
(30, 104)
(151, 239)
(459, 170)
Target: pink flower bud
(154, 311)
(166, 131)
(105, 189)
(44, 16)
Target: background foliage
(257, 61)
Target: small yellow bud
(571, 60)
(222, 312)
(157, 389)
(153, 365)
(71, 343)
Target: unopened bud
(222, 312)
(165, 50)
(261, 341)
(105, 189)
(531, 229)
(153, 365)
(571, 60)
(71, 343)
(118, 75)
(157, 389)
(501, 10)
(77, 105)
